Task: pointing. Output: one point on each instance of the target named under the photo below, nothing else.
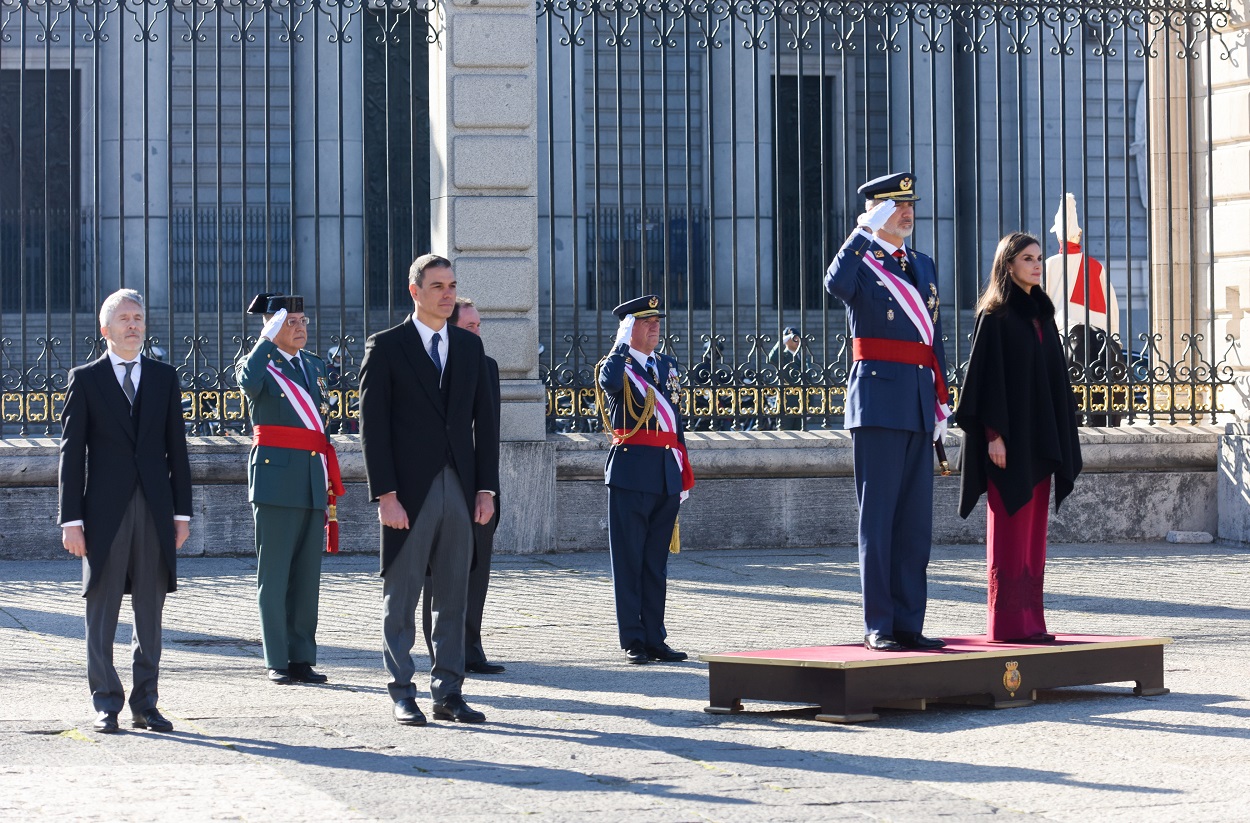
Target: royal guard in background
(648, 475)
(293, 482)
(896, 407)
(1090, 328)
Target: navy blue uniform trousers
(894, 486)
(640, 528)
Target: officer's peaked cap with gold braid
(897, 186)
(648, 305)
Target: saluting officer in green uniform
(292, 476)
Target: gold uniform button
(874, 372)
(667, 447)
(266, 459)
(313, 453)
(282, 395)
(625, 448)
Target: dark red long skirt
(1017, 563)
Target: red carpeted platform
(848, 682)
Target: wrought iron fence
(201, 152)
(706, 150)
(764, 117)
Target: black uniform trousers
(894, 486)
(640, 529)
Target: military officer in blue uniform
(648, 474)
(895, 407)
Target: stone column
(1230, 207)
(484, 217)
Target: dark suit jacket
(878, 392)
(630, 466)
(410, 430)
(105, 454)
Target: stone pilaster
(484, 217)
(1230, 199)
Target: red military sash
(312, 437)
(666, 419)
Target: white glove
(877, 217)
(274, 325)
(939, 431)
(625, 330)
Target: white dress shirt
(119, 369)
(642, 358)
(427, 334)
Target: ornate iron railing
(201, 151)
(763, 117)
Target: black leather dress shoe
(485, 667)
(665, 654)
(152, 720)
(105, 722)
(454, 708)
(881, 643)
(916, 640)
(637, 653)
(304, 673)
(280, 676)
(407, 713)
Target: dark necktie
(655, 375)
(434, 355)
(128, 384)
(901, 257)
(299, 370)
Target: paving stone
(576, 734)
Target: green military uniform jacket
(276, 476)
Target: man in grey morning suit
(429, 433)
(125, 503)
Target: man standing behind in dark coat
(467, 317)
(895, 407)
(430, 438)
(125, 503)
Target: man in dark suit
(292, 482)
(896, 407)
(429, 432)
(648, 474)
(125, 503)
(466, 316)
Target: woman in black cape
(1018, 417)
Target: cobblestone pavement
(575, 734)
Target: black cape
(1019, 387)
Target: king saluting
(648, 474)
(896, 407)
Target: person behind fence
(429, 432)
(293, 483)
(788, 358)
(896, 407)
(1090, 327)
(466, 316)
(648, 475)
(710, 373)
(124, 504)
(1018, 417)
